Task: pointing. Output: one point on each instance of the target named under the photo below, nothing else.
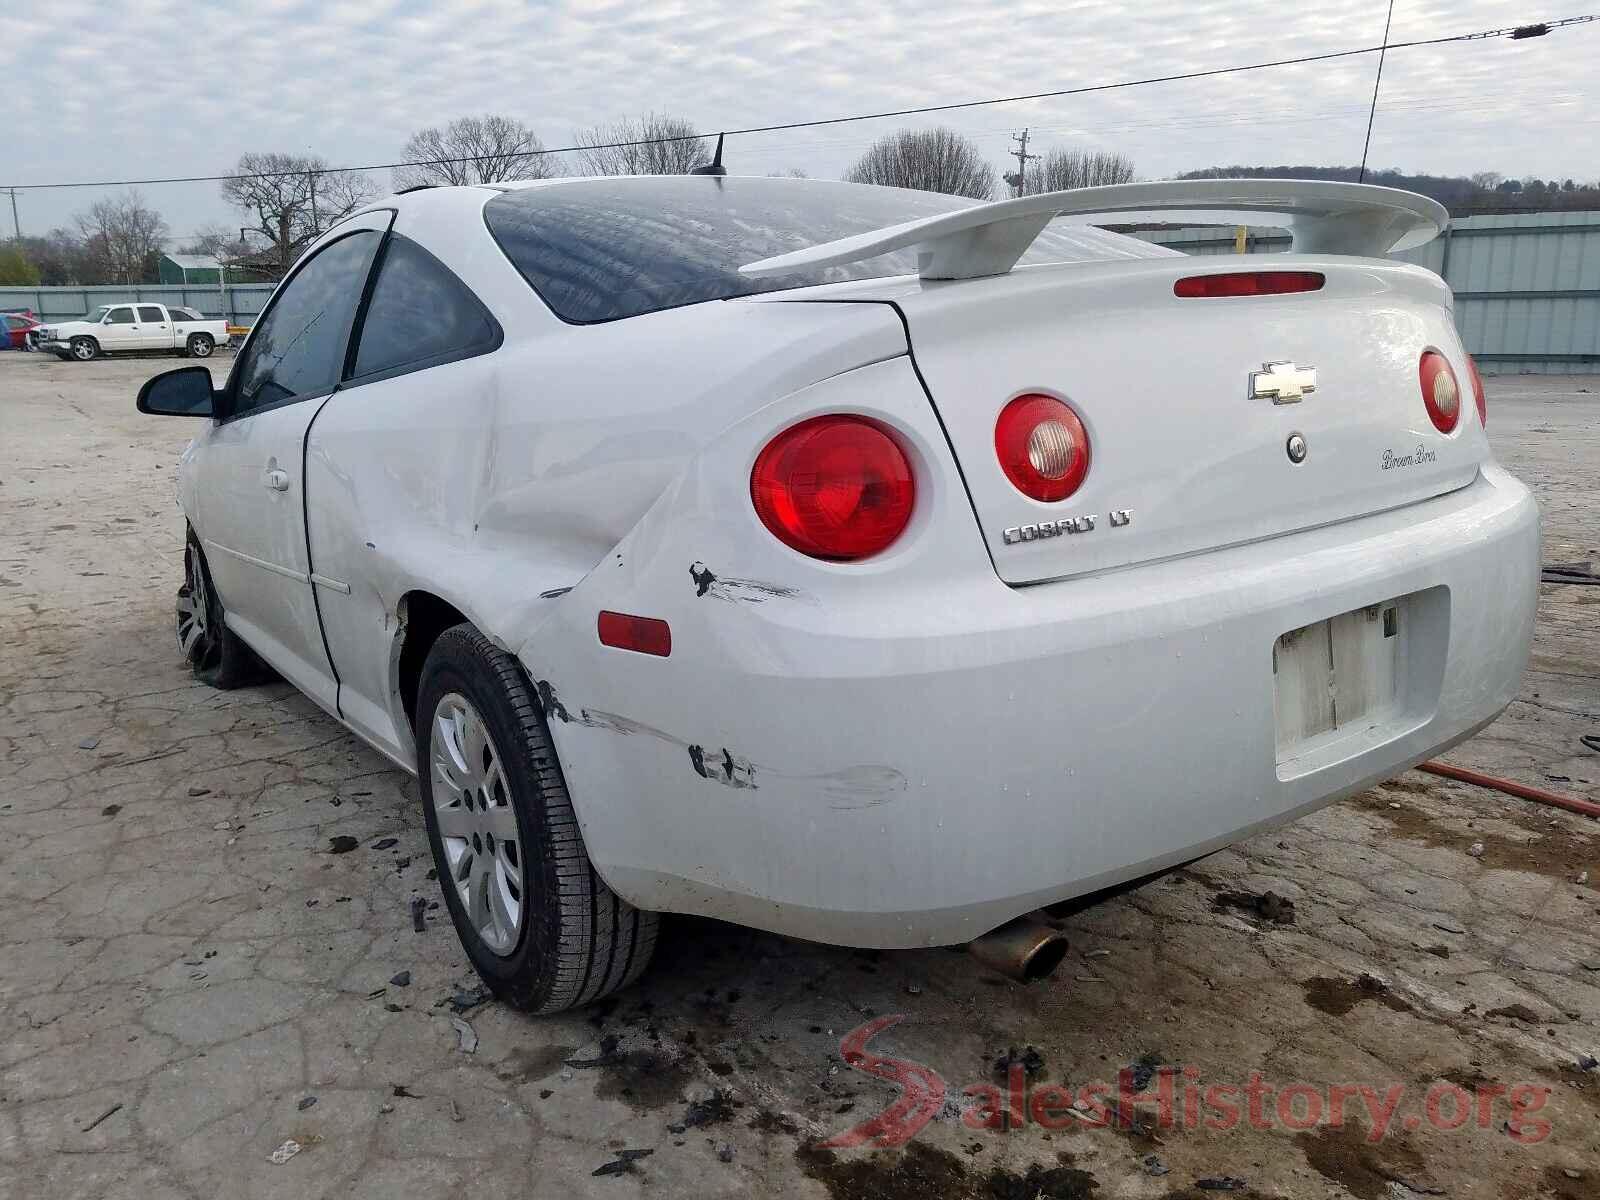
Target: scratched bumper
(914, 753)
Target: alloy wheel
(477, 824)
(192, 613)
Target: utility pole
(1019, 180)
(16, 226)
(316, 224)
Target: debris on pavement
(725, 1152)
(88, 743)
(1154, 1166)
(1268, 906)
(199, 791)
(401, 979)
(464, 1000)
(1475, 850)
(284, 1152)
(419, 914)
(342, 844)
(1588, 1062)
(715, 1109)
(306, 1103)
(112, 810)
(1516, 1012)
(1031, 1061)
(402, 1092)
(1221, 1183)
(107, 1115)
(466, 1035)
(385, 843)
(1142, 1070)
(623, 1163)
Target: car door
(119, 329)
(388, 461)
(248, 466)
(155, 331)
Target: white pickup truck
(120, 328)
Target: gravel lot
(189, 978)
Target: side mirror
(186, 392)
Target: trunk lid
(1163, 386)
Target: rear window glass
(184, 314)
(602, 249)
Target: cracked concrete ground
(189, 979)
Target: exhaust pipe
(1023, 950)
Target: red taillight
(1248, 283)
(646, 635)
(835, 487)
(1043, 447)
(1440, 392)
(1478, 393)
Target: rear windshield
(602, 249)
(185, 314)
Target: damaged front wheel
(214, 652)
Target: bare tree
(122, 237)
(1060, 170)
(291, 199)
(1486, 180)
(486, 149)
(654, 144)
(931, 160)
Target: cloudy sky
(181, 87)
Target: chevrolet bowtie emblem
(1282, 382)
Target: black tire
(200, 345)
(577, 940)
(216, 654)
(84, 349)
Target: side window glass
(420, 315)
(297, 348)
(148, 313)
(120, 316)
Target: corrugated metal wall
(1527, 285)
(240, 304)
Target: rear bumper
(899, 768)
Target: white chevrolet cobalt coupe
(867, 565)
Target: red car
(20, 326)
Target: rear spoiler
(988, 239)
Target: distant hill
(1463, 196)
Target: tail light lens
(1440, 392)
(835, 487)
(1248, 283)
(1042, 446)
(1478, 393)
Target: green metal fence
(240, 304)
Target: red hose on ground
(1522, 790)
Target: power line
(1376, 80)
(1514, 32)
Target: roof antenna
(714, 167)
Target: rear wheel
(200, 345)
(84, 348)
(216, 654)
(539, 924)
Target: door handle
(276, 479)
